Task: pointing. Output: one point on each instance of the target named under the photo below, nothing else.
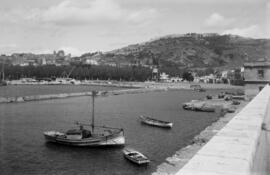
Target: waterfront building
(256, 75)
(164, 77)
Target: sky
(80, 26)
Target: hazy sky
(79, 26)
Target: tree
(187, 76)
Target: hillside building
(256, 75)
(90, 62)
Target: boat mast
(94, 93)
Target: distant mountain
(189, 51)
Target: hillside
(189, 51)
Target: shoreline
(29, 98)
(174, 163)
(130, 88)
(130, 84)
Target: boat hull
(156, 123)
(137, 162)
(117, 139)
(143, 160)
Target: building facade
(257, 75)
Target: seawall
(76, 94)
(241, 147)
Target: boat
(155, 122)
(93, 137)
(135, 156)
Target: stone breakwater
(77, 94)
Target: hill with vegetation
(192, 51)
(175, 55)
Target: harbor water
(23, 150)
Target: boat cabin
(78, 133)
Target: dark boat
(155, 122)
(135, 156)
(98, 136)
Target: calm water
(24, 151)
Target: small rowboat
(155, 122)
(135, 156)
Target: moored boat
(82, 137)
(98, 136)
(135, 156)
(155, 122)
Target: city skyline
(79, 26)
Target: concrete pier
(242, 147)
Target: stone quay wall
(241, 147)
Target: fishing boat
(95, 136)
(155, 122)
(135, 156)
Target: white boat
(135, 156)
(155, 122)
(96, 136)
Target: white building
(164, 77)
(257, 75)
(91, 62)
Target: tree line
(82, 72)
(102, 72)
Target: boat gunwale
(144, 118)
(144, 160)
(92, 139)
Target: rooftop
(262, 62)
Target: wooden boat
(98, 136)
(155, 122)
(135, 156)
